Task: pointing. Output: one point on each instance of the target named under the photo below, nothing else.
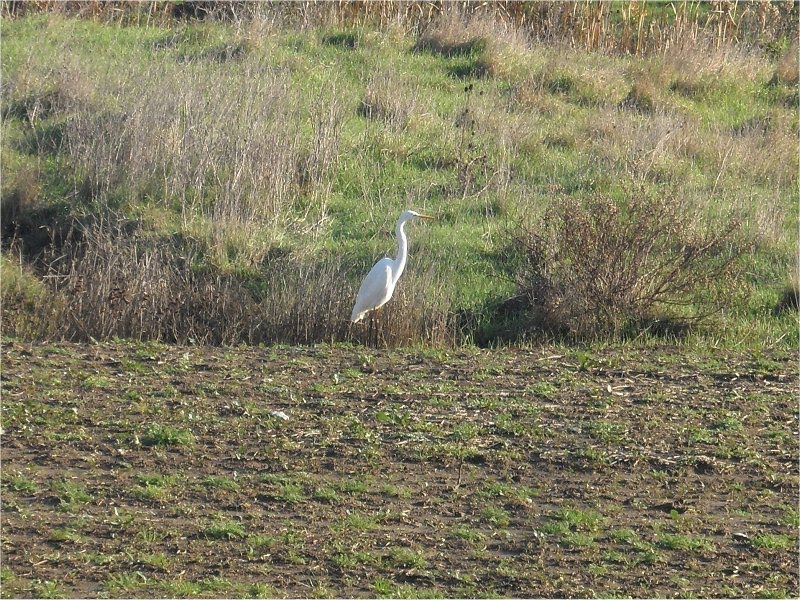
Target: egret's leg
(371, 330)
(378, 326)
(377, 318)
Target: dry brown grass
(19, 196)
(788, 69)
(108, 282)
(641, 147)
(767, 148)
(203, 147)
(701, 58)
(631, 27)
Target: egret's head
(412, 214)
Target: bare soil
(143, 470)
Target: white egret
(378, 286)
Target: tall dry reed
(631, 27)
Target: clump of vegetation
(642, 97)
(788, 69)
(789, 299)
(603, 265)
(382, 102)
(22, 295)
(221, 528)
(167, 435)
(480, 46)
(345, 39)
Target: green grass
(222, 529)
(327, 494)
(496, 516)
(469, 535)
(154, 487)
(215, 482)
(407, 558)
(166, 435)
(18, 483)
(70, 494)
(588, 520)
(774, 541)
(66, 535)
(261, 590)
(48, 589)
(685, 542)
(124, 582)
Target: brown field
(143, 470)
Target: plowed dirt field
(144, 470)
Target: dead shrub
(112, 285)
(605, 266)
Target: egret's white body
(378, 286)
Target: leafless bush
(602, 266)
(110, 284)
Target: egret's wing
(375, 290)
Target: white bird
(378, 286)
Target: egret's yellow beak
(426, 217)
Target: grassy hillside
(224, 182)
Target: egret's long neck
(402, 251)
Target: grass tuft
(222, 529)
(167, 435)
